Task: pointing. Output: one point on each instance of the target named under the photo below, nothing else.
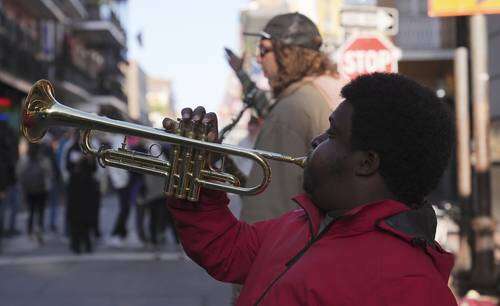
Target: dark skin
(198, 116)
(336, 178)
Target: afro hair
(407, 125)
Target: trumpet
(188, 167)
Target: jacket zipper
(295, 259)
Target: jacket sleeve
(416, 290)
(253, 95)
(214, 238)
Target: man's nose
(318, 140)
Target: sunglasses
(262, 51)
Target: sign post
(483, 273)
(373, 18)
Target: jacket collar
(415, 226)
(358, 219)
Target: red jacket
(375, 254)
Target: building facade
(136, 88)
(160, 100)
(79, 45)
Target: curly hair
(295, 63)
(409, 128)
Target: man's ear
(367, 163)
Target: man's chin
(307, 182)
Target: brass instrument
(186, 170)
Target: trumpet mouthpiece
(300, 161)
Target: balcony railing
(73, 74)
(102, 85)
(22, 57)
(72, 8)
(19, 52)
(101, 27)
(44, 9)
(108, 86)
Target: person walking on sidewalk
(12, 197)
(35, 173)
(8, 159)
(120, 181)
(83, 199)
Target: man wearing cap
(305, 92)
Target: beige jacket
(300, 114)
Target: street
(51, 275)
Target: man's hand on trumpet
(196, 119)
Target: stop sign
(367, 53)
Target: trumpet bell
(40, 98)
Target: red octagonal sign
(367, 53)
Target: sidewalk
(58, 243)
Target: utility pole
(483, 267)
(464, 184)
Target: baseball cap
(291, 29)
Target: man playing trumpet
(363, 233)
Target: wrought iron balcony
(109, 86)
(72, 74)
(101, 30)
(43, 9)
(73, 9)
(20, 53)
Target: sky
(183, 41)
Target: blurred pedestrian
(12, 205)
(159, 217)
(11, 198)
(153, 204)
(35, 175)
(83, 198)
(137, 187)
(66, 141)
(54, 194)
(306, 90)
(8, 157)
(119, 179)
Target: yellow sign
(462, 7)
